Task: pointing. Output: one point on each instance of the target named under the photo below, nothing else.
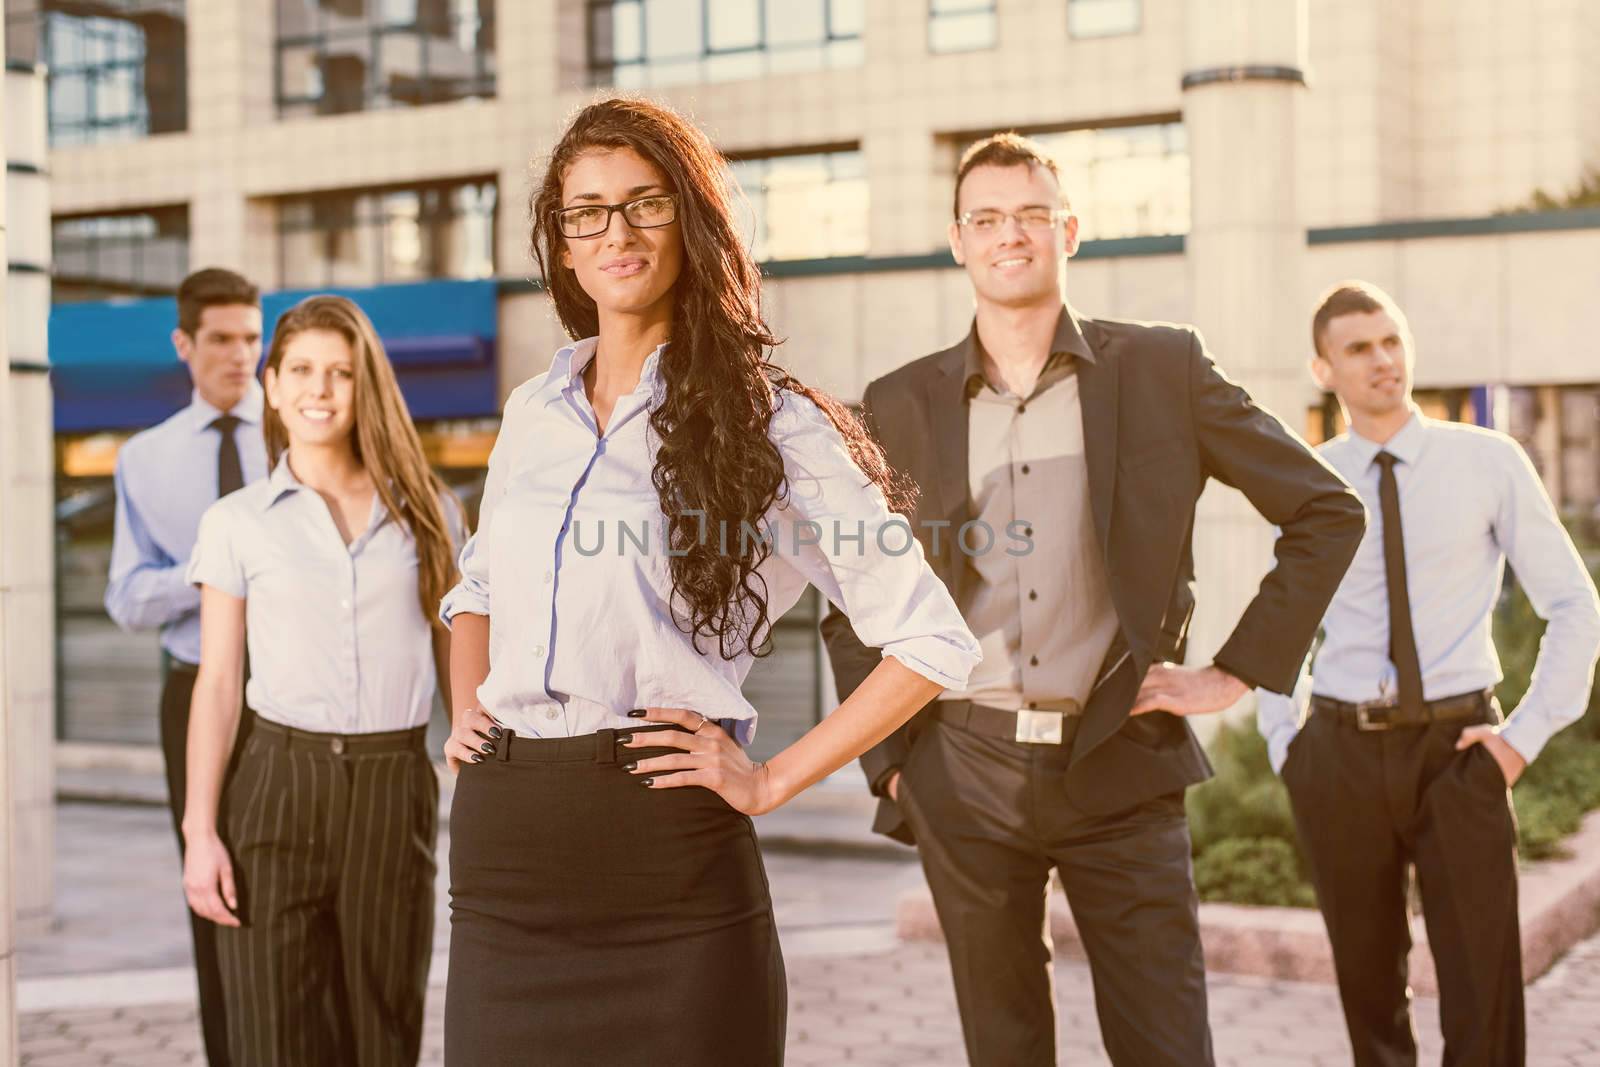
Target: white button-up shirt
(1469, 500)
(337, 638)
(569, 564)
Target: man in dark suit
(1089, 441)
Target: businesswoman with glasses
(320, 873)
(653, 502)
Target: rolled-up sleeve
(215, 560)
(470, 595)
(836, 530)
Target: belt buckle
(1040, 727)
(1364, 719)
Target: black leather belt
(1387, 714)
(1028, 726)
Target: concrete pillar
(1243, 81)
(231, 57)
(8, 975)
(27, 537)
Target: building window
(962, 25)
(638, 43)
(1125, 181)
(134, 253)
(373, 236)
(336, 56)
(115, 71)
(804, 206)
(1102, 18)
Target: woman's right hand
(473, 737)
(208, 880)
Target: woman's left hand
(710, 758)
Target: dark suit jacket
(1159, 419)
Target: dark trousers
(176, 693)
(991, 819)
(1367, 806)
(333, 853)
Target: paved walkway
(856, 995)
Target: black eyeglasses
(592, 220)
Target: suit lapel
(1097, 395)
(947, 421)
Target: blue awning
(113, 366)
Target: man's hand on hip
(1187, 690)
(1510, 760)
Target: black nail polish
(495, 732)
(630, 766)
(476, 758)
(647, 781)
(488, 748)
(637, 713)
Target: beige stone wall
(1417, 108)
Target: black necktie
(230, 475)
(1402, 639)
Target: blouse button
(552, 713)
(549, 576)
(538, 650)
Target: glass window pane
(734, 24)
(846, 18)
(962, 33)
(795, 22)
(1130, 181)
(301, 77)
(673, 29)
(804, 207)
(1102, 18)
(352, 55)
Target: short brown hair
(1009, 149)
(1354, 297)
(212, 287)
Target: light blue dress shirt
(1469, 501)
(166, 478)
(337, 636)
(568, 563)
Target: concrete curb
(1558, 900)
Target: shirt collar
(566, 370)
(281, 482)
(248, 409)
(1406, 445)
(1067, 343)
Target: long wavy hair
(721, 387)
(384, 438)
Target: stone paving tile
(898, 1008)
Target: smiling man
(166, 478)
(1404, 759)
(1068, 748)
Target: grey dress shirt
(1043, 617)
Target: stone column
(27, 528)
(1244, 77)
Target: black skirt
(597, 921)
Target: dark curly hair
(721, 387)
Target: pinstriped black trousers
(332, 840)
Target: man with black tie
(1404, 760)
(166, 477)
(1092, 439)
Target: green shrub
(1252, 870)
